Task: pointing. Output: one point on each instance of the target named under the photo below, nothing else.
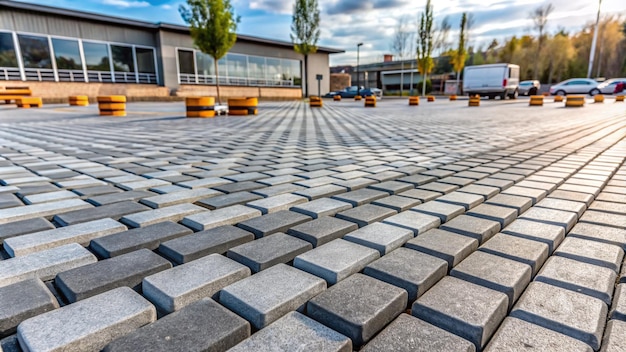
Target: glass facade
(7, 51)
(122, 58)
(67, 54)
(145, 60)
(96, 56)
(35, 51)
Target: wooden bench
(13, 93)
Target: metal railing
(71, 75)
(39, 74)
(10, 74)
(187, 78)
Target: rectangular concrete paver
(220, 217)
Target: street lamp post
(358, 82)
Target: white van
(494, 80)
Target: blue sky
(373, 22)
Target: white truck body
(492, 80)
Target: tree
(401, 46)
(213, 29)
(425, 43)
(441, 38)
(540, 20)
(460, 54)
(305, 32)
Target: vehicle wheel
(492, 97)
(594, 92)
(514, 95)
(560, 92)
(532, 91)
(503, 96)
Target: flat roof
(105, 19)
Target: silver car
(608, 86)
(575, 86)
(529, 87)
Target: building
(59, 52)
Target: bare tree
(540, 20)
(442, 32)
(401, 45)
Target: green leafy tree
(425, 43)
(460, 54)
(305, 34)
(213, 28)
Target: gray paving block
(565, 219)
(382, 237)
(465, 309)
(486, 192)
(321, 207)
(80, 233)
(238, 187)
(44, 210)
(119, 197)
(606, 219)
(265, 297)
(567, 312)
(444, 211)
(125, 270)
(465, 200)
(457, 181)
(397, 203)
(201, 326)
(191, 247)
(81, 327)
(502, 184)
(23, 300)
(172, 289)
(573, 196)
(592, 252)
(604, 234)
(478, 228)
(565, 205)
(49, 197)
(172, 213)
(535, 194)
(277, 203)
(409, 334)
(521, 204)
(500, 214)
(142, 185)
(268, 251)
(187, 196)
(204, 182)
(552, 235)
(96, 191)
(227, 200)
(10, 344)
(584, 278)
(361, 196)
(322, 230)
(392, 187)
(320, 191)
(614, 337)
(358, 307)
(366, 214)
(439, 187)
(421, 195)
(336, 260)
(417, 180)
(295, 331)
(448, 246)
(517, 335)
(22, 227)
(532, 253)
(414, 221)
(280, 221)
(114, 211)
(618, 307)
(408, 269)
(355, 183)
(276, 190)
(494, 272)
(149, 237)
(220, 217)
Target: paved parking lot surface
(431, 228)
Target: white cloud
(166, 7)
(126, 4)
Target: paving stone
(322, 230)
(614, 337)
(358, 307)
(321, 191)
(44, 210)
(580, 277)
(414, 221)
(204, 182)
(573, 196)
(142, 185)
(593, 190)
(272, 223)
(552, 235)
(125, 270)
(277, 203)
(25, 190)
(81, 233)
(442, 188)
(444, 211)
(217, 240)
(321, 207)
(366, 214)
(187, 196)
(606, 219)
(312, 182)
(392, 187)
(618, 308)
(397, 203)
(592, 252)
(277, 190)
(521, 204)
(446, 245)
(267, 296)
(565, 219)
(565, 205)
(604, 234)
(238, 187)
(201, 326)
(355, 184)
(610, 197)
(23, 300)
(9, 201)
(220, 217)
(268, 251)
(502, 184)
(532, 253)
(420, 194)
(361, 197)
(17, 228)
(465, 200)
(478, 228)
(408, 269)
(10, 344)
(382, 237)
(49, 197)
(409, 334)
(486, 192)
(517, 335)
(535, 194)
(81, 327)
(384, 175)
(497, 273)
(465, 309)
(119, 197)
(295, 331)
(567, 312)
(336, 260)
(503, 215)
(227, 200)
(114, 211)
(149, 237)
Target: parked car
(575, 86)
(608, 86)
(496, 80)
(529, 87)
(350, 92)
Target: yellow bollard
(414, 101)
(200, 106)
(575, 101)
(112, 105)
(619, 98)
(536, 100)
(598, 98)
(28, 102)
(79, 100)
(430, 98)
(315, 102)
(558, 99)
(337, 97)
(474, 101)
(370, 102)
(242, 106)
(453, 97)
(357, 98)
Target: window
(67, 54)
(122, 58)
(35, 51)
(222, 67)
(96, 56)
(185, 62)
(256, 67)
(145, 60)
(274, 72)
(295, 72)
(7, 51)
(205, 64)
(237, 65)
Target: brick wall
(339, 81)
(236, 92)
(62, 90)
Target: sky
(344, 23)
